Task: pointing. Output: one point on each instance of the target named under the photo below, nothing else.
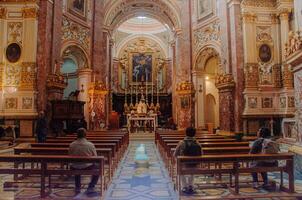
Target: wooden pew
(236, 169)
(112, 146)
(44, 171)
(105, 152)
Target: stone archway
(207, 66)
(168, 13)
(72, 51)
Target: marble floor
(141, 182)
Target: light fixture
(207, 78)
(141, 17)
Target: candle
(152, 88)
(94, 77)
(146, 86)
(106, 81)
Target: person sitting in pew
(189, 146)
(82, 147)
(263, 145)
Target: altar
(136, 122)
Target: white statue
(142, 107)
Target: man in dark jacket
(189, 146)
(257, 148)
(41, 128)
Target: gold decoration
(3, 12)
(1, 74)
(294, 43)
(11, 103)
(27, 103)
(287, 77)
(15, 32)
(12, 75)
(185, 88)
(249, 17)
(225, 81)
(251, 75)
(97, 88)
(277, 76)
(56, 81)
(28, 76)
(29, 12)
(75, 31)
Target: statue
(142, 107)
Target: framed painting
(13, 52)
(185, 102)
(78, 8)
(141, 67)
(204, 8)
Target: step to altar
(142, 136)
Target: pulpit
(67, 111)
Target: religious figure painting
(204, 8)
(265, 53)
(185, 102)
(141, 67)
(13, 52)
(77, 7)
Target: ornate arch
(73, 50)
(204, 55)
(121, 10)
(151, 38)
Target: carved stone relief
(12, 75)
(27, 103)
(11, 103)
(14, 33)
(251, 75)
(259, 3)
(207, 34)
(74, 31)
(28, 76)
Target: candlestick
(152, 100)
(146, 86)
(157, 87)
(125, 88)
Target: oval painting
(13, 52)
(265, 53)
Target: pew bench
(44, 171)
(236, 169)
(106, 152)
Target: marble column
(100, 59)
(56, 32)
(237, 60)
(249, 40)
(3, 12)
(226, 85)
(45, 17)
(284, 30)
(183, 62)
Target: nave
(153, 178)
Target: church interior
(139, 76)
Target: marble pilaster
(45, 16)
(237, 61)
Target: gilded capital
(3, 12)
(284, 14)
(225, 81)
(29, 12)
(249, 17)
